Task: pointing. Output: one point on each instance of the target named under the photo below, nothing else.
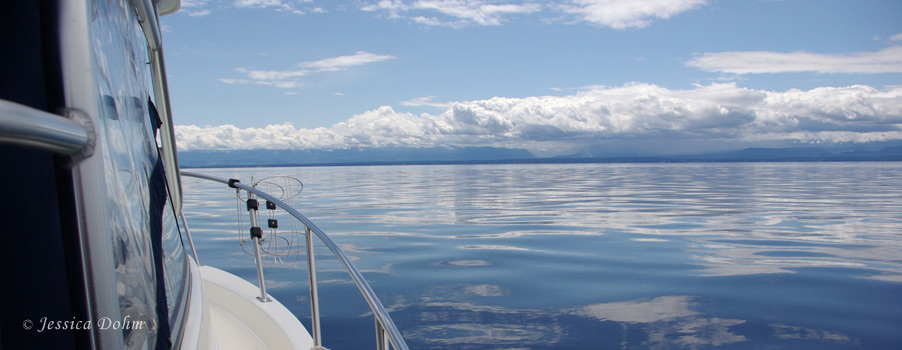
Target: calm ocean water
(589, 256)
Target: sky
(552, 77)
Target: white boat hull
(240, 321)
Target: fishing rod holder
(257, 237)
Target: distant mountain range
(812, 154)
(886, 151)
(472, 155)
(351, 156)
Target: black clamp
(232, 183)
(270, 205)
(256, 232)
(273, 223)
(252, 204)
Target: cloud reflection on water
(463, 263)
(662, 322)
(783, 331)
(463, 325)
(666, 320)
(809, 207)
(471, 235)
(641, 311)
(804, 205)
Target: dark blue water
(596, 256)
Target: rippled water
(562, 256)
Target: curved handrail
(394, 336)
(26, 126)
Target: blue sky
(551, 76)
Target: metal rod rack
(386, 331)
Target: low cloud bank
(716, 113)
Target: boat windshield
(128, 143)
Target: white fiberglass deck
(240, 321)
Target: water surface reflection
(788, 255)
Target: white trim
(198, 330)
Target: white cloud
(288, 79)
(342, 62)
(454, 13)
(619, 14)
(283, 84)
(719, 113)
(376, 128)
(431, 21)
(193, 3)
(622, 14)
(235, 81)
(474, 11)
(897, 37)
(426, 101)
(278, 5)
(272, 74)
(888, 60)
(394, 7)
(199, 13)
(196, 8)
(257, 3)
(279, 79)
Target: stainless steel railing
(26, 126)
(386, 331)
